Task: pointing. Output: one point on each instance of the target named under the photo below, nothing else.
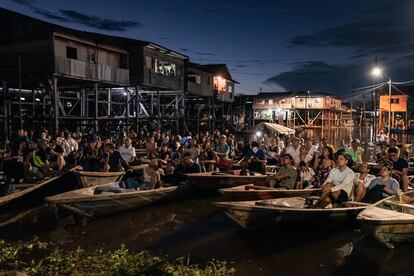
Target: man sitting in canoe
(287, 175)
(338, 187)
(362, 181)
(255, 159)
(113, 161)
(382, 186)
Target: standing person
(222, 150)
(127, 151)
(400, 168)
(287, 175)
(362, 181)
(355, 151)
(337, 188)
(382, 186)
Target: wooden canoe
(390, 221)
(253, 192)
(250, 215)
(90, 179)
(213, 181)
(33, 194)
(91, 203)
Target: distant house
(297, 108)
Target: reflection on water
(197, 230)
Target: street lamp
(378, 72)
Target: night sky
(283, 45)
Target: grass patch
(44, 258)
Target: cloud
(196, 52)
(385, 29)
(339, 79)
(71, 16)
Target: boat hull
(90, 179)
(212, 183)
(262, 218)
(104, 204)
(251, 192)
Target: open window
(194, 77)
(71, 52)
(165, 68)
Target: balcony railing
(90, 71)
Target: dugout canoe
(251, 192)
(33, 194)
(213, 181)
(390, 221)
(90, 179)
(259, 215)
(107, 199)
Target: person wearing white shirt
(127, 151)
(338, 186)
(362, 181)
(294, 150)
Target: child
(306, 175)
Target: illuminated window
(395, 100)
(165, 68)
(220, 84)
(270, 101)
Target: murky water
(197, 231)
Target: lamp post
(378, 72)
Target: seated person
(208, 157)
(189, 165)
(322, 173)
(113, 161)
(222, 150)
(382, 186)
(92, 155)
(400, 168)
(306, 175)
(13, 165)
(127, 152)
(57, 156)
(338, 186)
(362, 181)
(255, 159)
(152, 177)
(382, 156)
(37, 161)
(170, 177)
(287, 175)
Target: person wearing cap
(287, 175)
(362, 181)
(400, 168)
(382, 186)
(338, 186)
(355, 151)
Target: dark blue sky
(280, 45)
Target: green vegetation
(43, 258)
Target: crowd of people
(304, 163)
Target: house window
(123, 61)
(165, 68)
(270, 101)
(395, 100)
(71, 52)
(194, 77)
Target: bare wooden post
(55, 104)
(137, 107)
(96, 107)
(127, 110)
(5, 109)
